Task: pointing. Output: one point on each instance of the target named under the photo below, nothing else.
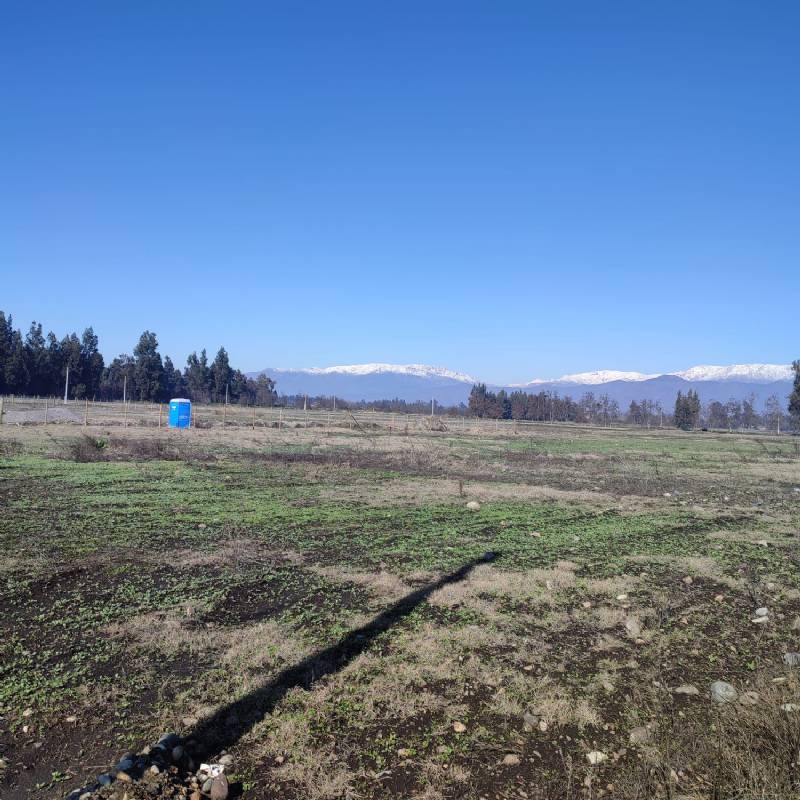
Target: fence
(49, 411)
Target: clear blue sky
(509, 189)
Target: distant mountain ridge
(415, 382)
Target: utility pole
(124, 388)
(226, 394)
(66, 386)
(432, 406)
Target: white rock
(596, 757)
(791, 659)
(723, 692)
(474, 505)
(686, 689)
(633, 627)
(762, 612)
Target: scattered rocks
(686, 689)
(530, 721)
(688, 580)
(640, 735)
(723, 692)
(791, 659)
(511, 760)
(633, 627)
(762, 612)
(596, 757)
(749, 698)
(473, 505)
(459, 727)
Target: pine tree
(794, 397)
(149, 370)
(220, 376)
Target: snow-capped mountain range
(413, 382)
(756, 373)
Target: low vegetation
(353, 615)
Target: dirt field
(321, 611)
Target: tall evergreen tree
(220, 376)
(794, 397)
(149, 370)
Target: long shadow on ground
(230, 723)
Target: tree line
(687, 413)
(35, 364)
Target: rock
(596, 757)
(123, 777)
(530, 720)
(207, 785)
(790, 707)
(640, 735)
(760, 620)
(686, 689)
(770, 586)
(473, 505)
(154, 770)
(622, 597)
(71, 719)
(688, 580)
(511, 760)
(762, 612)
(763, 543)
(219, 788)
(28, 712)
(791, 659)
(404, 752)
(536, 534)
(189, 722)
(796, 624)
(125, 764)
(586, 604)
(542, 726)
(722, 692)
(459, 727)
(749, 698)
(633, 627)
(719, 598)
(226, 760)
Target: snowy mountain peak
(595, 378)
(753, 373)
(417, 370)
(757, 373)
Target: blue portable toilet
(180, 413)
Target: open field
(318, 603)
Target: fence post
(1, 410)
(86, 414)
(125, 411)
(254, 416)
(160, 412)
(45, 411)
(280, 418)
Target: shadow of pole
(225, 727)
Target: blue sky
(508, 189)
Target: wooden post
(254, 417)
(45, 411)
(125, 412)
(1, 410)
(224, 414)
(86, 414)
(280, 418)
(160, 412)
